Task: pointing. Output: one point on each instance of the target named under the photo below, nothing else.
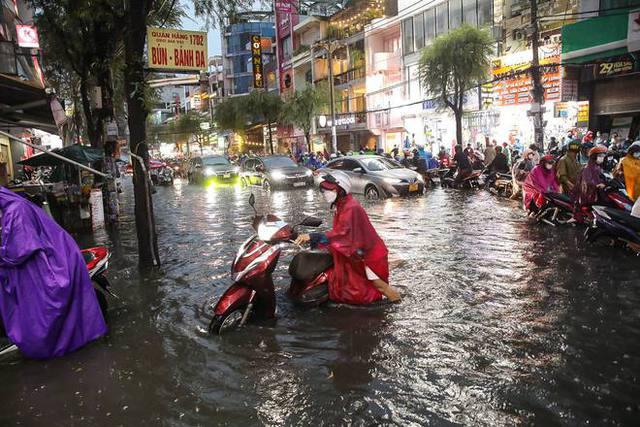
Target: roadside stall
(73, 194)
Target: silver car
(376, 177)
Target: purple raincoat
(47, 303)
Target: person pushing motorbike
(361, 272)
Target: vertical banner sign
(256, 60)
(176, 50)
(283, 6)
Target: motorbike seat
(560, 197)
(306, 266)
(625, 218)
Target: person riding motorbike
(500, 163)
(629, 168)
(361, 269)
(590, 179)
(569, 168)
(463, 164)
(542, 179)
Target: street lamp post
(330, 47)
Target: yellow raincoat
(630, 167)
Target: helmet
(598, 149)
(588, 137)
(634, 147)
(336, 179)
(547, 158)
(575, 145)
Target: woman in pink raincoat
(542, 179)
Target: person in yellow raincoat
(629, 167)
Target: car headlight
(308, 172)
(392, 180)
(277, 175)
(209, 172)
(236, 169)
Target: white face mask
(636, 154)
(599, 159)
(549, 166)
(330, 196)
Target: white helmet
(340, 178)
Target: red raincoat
(355, 244)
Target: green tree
(231, 114)
(303, 106)
(453, 64)
(264, 107)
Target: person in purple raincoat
(47, 303)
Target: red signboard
(514, 86)
(28, 36)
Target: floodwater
(503, 323)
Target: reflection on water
(502, 323)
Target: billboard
(176, 50)
(256, 59)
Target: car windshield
(379, 164)
(278, 162)
(215, 161)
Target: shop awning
(25, 104)
(601, 37)
(78, 153)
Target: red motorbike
(97, 260)
(252, 293)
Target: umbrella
(79, 153)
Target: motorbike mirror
(311, 221)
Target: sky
(191, 22)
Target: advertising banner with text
(176, 50)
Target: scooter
(165, 176)
(614, 195)
(615, 224)
(557, 209)
(500, 184)
(97, 261)
(252, 293)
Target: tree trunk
(307, 136)
(270, 137)
(458, 115)
(137, 114)
(95, 137)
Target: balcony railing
(349, 76)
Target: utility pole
(538, 90)
(334, 136)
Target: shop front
(605, 53)
(6, 163)
(351, 131)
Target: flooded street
(503, 322)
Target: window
(485, 15)
(469, 14)
(407, 35)
(287, 48)
(455, 13)
(430, 25)
(249, 165)
(442, 18)
(350, 164)
(609, 7)
(418, 30)
(338, 164)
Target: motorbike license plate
(226, 175)
(413, 187)
(299, 184)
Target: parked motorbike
(252, 293)
(474, 181)
(616, 225)
(613, 195)
(500, 184)
(97, 261)
(557, 209)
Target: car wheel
(266, 184)
(371, 193)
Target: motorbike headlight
(277, 175)
(209, 172)
(308, 172)
(392, 180)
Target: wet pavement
(503, 322)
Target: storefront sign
(256, 60)
(614, 67)
(515, 84)
(633, 31)
(583, 114)
(177, 50)
(283, 6)
(28, 36)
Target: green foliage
(303, 106)
(456, 62)
(263, 107)
(453, 64)
(231, 114)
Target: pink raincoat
(541, 180)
